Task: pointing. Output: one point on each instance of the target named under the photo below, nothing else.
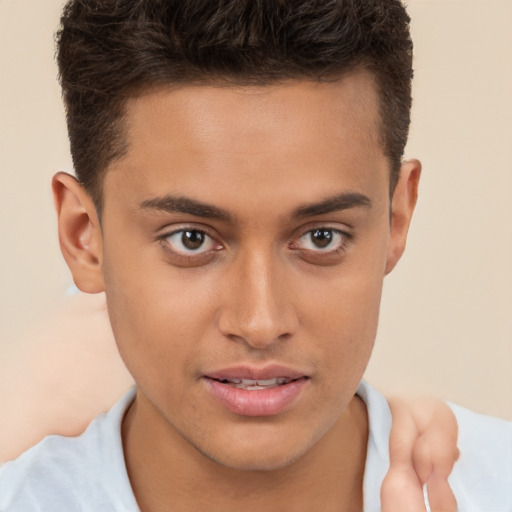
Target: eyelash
(344, 236)
(312, 255)
(327, 257)
(192, 256)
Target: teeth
(257, 384)
(250, 382)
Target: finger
(440, 496)
(403, 435)
(435, 451)
(401, 492)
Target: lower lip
(258, 402)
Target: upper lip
(253, 373)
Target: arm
(61, 375)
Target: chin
(262, 462)
(259, 453)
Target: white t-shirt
(88, 474)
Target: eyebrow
(180, 204)
(336, 203)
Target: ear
(402, 208)
(80, 234)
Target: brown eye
(321, 238)
(190, 241)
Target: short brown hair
(110, 50)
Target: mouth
(248, 391)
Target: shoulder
(482, 477)
(52, 473)
(72, 473)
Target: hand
(423, 450)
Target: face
(245, 238)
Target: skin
(424, 450)
(59, 376)
(260, 294)
(76, 338)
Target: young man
(240, 198)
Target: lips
(249, 391)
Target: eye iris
(192, 239)
(321, 237)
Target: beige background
(446, 325)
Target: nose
(258, 305)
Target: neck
(165, 470)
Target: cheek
(343, 316)
(346, 338)
(158, 317)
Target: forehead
(301, 134)
(212, 110)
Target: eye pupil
(321, 237)
(192, 239)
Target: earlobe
(80, 235)
(402, 208)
